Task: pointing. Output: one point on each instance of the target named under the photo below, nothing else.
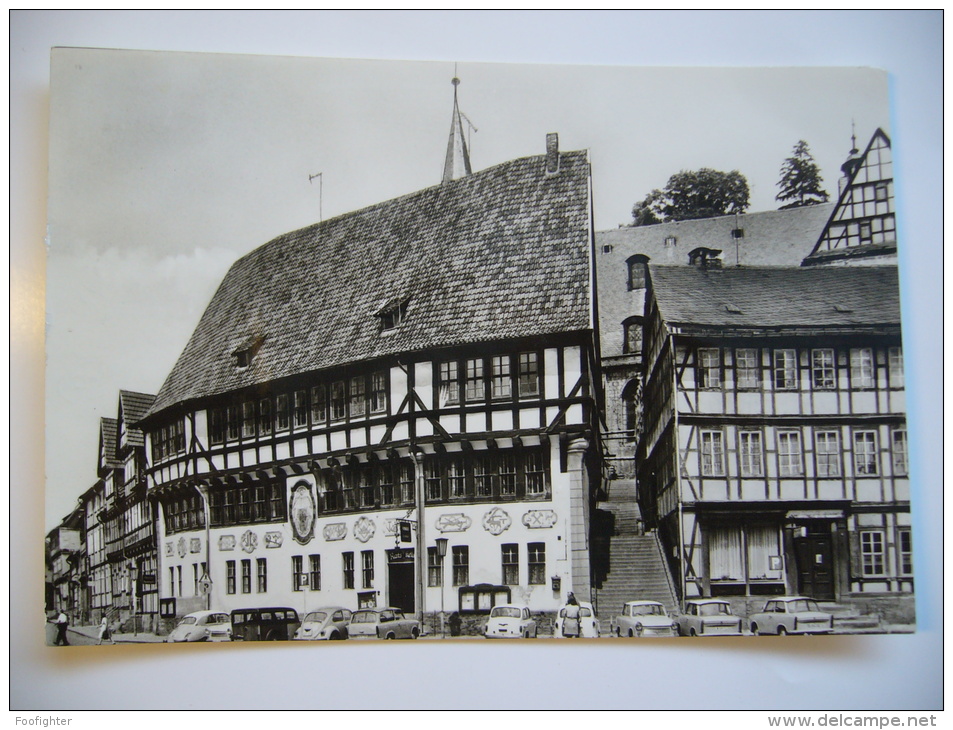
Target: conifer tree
(801, 181)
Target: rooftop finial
(457, 162)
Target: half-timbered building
(424, 366)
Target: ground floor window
(872, 552)
(348, 566)
(434, 568)
(461, 565)
(367, 568)
(297, 573)
(314, 563)
(246, 576)
(511, 565)
(537, 563)
(744, 554)
(230, 577)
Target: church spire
(457, 164)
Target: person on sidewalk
(104, 633)
(571, 618)
(62, 622)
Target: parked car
(202, 626)
(328, 623)
(708, 617)
(644, 618)
(510, 621)
(264, 624)
(791, 615)
(382, 623)
(588, 623)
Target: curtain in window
(762, 543)
(724, 554)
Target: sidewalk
(92, 632)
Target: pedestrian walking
(62, 623)
(571, 618)
(104, 633)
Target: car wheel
(414, 633)
(754, 630)
(535, 633)
(618, 631)
(630, 633)
(390, 636)
(782, 631)
(692, 633)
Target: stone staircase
(849, 619)
(635, 568)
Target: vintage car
(264, 624)
(328, 623)
(510, 621)
(202, 626)
(708, 617)
(644, 618)
(588, 623)
(382, 623)
(791, 615)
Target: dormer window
(636, 269)
(247, 350)
(393, 313)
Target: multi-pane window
(456, 477)
(500, 382)
(474, 383)
(632, 336)
(338, 401)
(231, 416)
(276, 501)
(823, 372)
(747, 369)
(461, 565)
(537, 563)
(406, 475)
(264, 416)
(507, 466)
(230, 576)
(386, 482)
(511, 565)
(535, 473)
(529, 374)
(262, 575)
(347, 560)
(319, 404)
(713, 453)
(861, 368)
(216, 425)
(449, 383)
(300, 408)
(904, 551)
(785, 369)
(297, 573)
(314, 572)
(827, 453)
(895, 365)
(872, 552)
(432, 479)
(789, 454)
(282, 421)
(365, 486)
(709, 367)
(172, 581)
(749, 451)
(246, 576)
(865, 453)
(636, 273)
(899, 451)
(358, 398)
(483, 475)
(367, 568)
(434, 568)
(378, 403)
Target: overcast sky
(165, 168)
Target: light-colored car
(510, 621)
(382, 623)
(791, 615)
(708, 617)
(644, 618)
(328, 623)
(202, 626)
(588, 623)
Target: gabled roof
(108, 433)
(862, 223)
(132, 407)
(777, 297)
(499, 254)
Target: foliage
(801, 180)
(703, 193)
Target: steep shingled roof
(134, 406)
(108, 433)
(498, 254)
(770, 297)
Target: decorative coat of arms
(390, 526)
(456, 522)
(364, 529)
(226, 543)
(302, 513)
(273, 539)
(169, 549)
(195, 545)
(335, 531)
(182, 546)
(249, 541)
(496, 521)
(537, 519)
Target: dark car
(264, 624)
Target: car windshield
(803, 605)
(647, 611)
(505, 611)
(714, 609)
(187, 620)
(363, 617)
(315, 617)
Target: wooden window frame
(510, 564)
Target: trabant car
(202, 626)
(708, 617)
(382, 623)
(510, 621)
(264, 624)
(328, 623)
(644, 618)
(791, 615)
(588, 623)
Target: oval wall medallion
(456, 522)
(302, 513)
(182, 547)
(537, 519)
(496, 521)
(364, 529)
(249, 541)
(335, 531)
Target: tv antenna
(320, 177)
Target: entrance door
(400, 586)
(815, 566)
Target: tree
(801, 179)
(703, 193)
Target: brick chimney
(552, 153)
